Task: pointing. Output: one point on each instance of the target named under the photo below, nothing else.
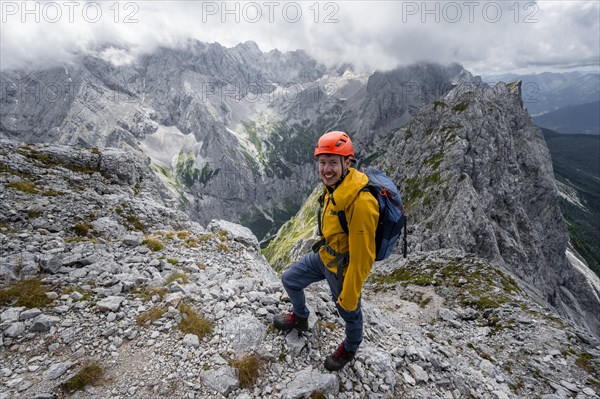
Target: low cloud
(485, 36)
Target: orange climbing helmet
(337, 143)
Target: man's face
(330, 168)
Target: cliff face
(477, 176)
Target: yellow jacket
(362, 214)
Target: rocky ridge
(86, 223)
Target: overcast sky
(487, 37)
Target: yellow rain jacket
(362, 214)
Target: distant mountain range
(583, 118)
(546, 92)
(576, 164)
(226, 128)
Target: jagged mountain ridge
(421, 341)
(573, 119)
(476, 175)
(224, 126)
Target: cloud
(485, 36)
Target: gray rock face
(308, 382)
(223, 380)
(110, 304)
(245, 332)
(42, 323)
(476, 175)
(58, 369)
(238, 233)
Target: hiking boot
(289, 321)
(338, 359)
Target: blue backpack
(392, 220)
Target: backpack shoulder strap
(319, 213)
(342, 214)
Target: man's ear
(347, 162)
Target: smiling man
(344, 260)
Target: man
(344, 260)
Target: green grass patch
(405, 276)
(154, 244)
(193, 323)
(150, 315)
(149, 292)
(439, 104)
(52, 193)
(30, 293)
(176, 276)
(14, 172)
(435, 160)
(248, 368)
(69, 290)
(135, 223)
(300, 227)
(90, 374)
(32, 214)
(82, 229)
(26, 187)
(584, 361)
(460, 107)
